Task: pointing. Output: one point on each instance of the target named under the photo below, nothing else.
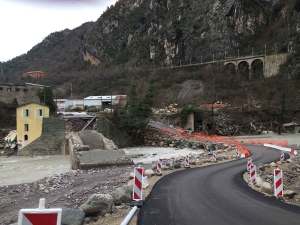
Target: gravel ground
(290, 176)
(70, 189)
(73, 188)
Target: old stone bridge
(243, 67)
(270, 64)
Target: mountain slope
(57, 53)
(167, 31)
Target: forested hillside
(133, 37)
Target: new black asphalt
(216, 194)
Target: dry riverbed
(73, 188)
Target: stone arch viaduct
(271, 63)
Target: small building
(74, 103)
(60, 104)
(29, 122)
(34, 74)
(120, 100)
(95, 101)
(214, 106)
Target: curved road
(216, 195)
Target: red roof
(209, 106)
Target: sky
(25, 23)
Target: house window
(8, 89)
(1, 88)
(25, 137)
(17, 89)
(39, 112)
(25, 112)
(26, 127)
(25, 90)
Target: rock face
(98, 203)
(122, 195)
(211, 23)
(72, 216)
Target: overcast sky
(24, 23)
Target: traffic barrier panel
(187, 161)
(253, 173)
(138, 183)
(40, 216)
(215, 156)
(249, 164)
(278, 183)
(282, 157)
(290, 150)
(237, 153)
(159, 165)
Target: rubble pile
(69, 190)
(156, 138)
(291, 179)
(76, 124)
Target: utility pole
(265, 50)
(44, 95)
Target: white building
(98, 101)
(60, 104)
(95, 101)
(74, 103)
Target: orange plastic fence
(230, 140)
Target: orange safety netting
(203, 137)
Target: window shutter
(37, 112)
(23, 112)
(43, 111)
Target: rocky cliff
(167, 31)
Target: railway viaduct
(271, 64)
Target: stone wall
(272, 64)
(190, 125)
(51, 142)
(111, 132)
(81, 157)
(22, 93)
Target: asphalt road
(216, 195)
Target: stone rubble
(291, 179)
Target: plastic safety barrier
(282, 148)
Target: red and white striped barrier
(278, 184)
(282, 157)
(215, 156)
(159, 165)
(282, 148)
(187, 161)
(249, 163)
(138, 183)
(253, 173)
(236, 153)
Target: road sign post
(40, 216)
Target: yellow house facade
(29, 122)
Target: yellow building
(29, 122)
